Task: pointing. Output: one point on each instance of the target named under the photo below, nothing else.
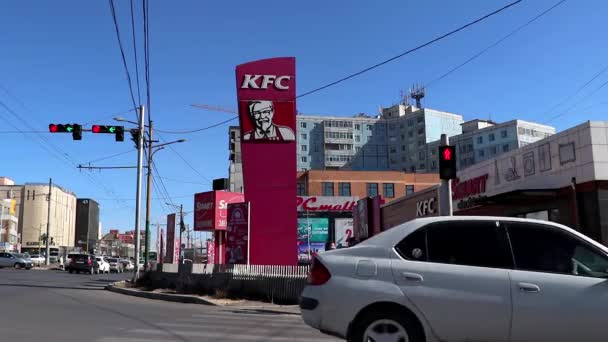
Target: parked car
(15, 260)
(37, 259)
(462, 279)
(104, 266)
(127, 264)
(83, 263)
(68, 260)
(115, 265)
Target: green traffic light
(112, 129)
(69, 129)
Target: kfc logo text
(253, 82)
(424, 208)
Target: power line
(108, 117)
(135, 53)
(147, 55)
(111, 156)
(411, 50)
(578, 102)
(186, 161)
(519, 28)
(182, 181)
(200, 129)
(122, 52)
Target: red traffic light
(53, 128)
(447, 154)
(96, 129)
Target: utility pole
(148, 196)
(48, 225)
(181, 229)
(140, 156)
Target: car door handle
(527, 287)
(412, 276)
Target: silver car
(15, 260)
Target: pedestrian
(61, 262)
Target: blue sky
(60, 62)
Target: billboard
(312, 237)
(170, 253)
(326, 203)
(211, 209)
(266, 92)
(344, 231)
(210, 252)
(237, 234)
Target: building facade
(483, 140)
(31, 206)
(87, 223)
(388, 184)
(9, 232)
(235, 166)
(410, 129)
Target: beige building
(31, 206)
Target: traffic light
(135, 137)
(118, 131)
(447, 162)
(75, 129)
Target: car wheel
(27, 268)
(386, 326)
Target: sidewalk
(167, 295)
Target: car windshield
(112, 260)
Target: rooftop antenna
(404, 98)
(417, 94)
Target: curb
(160, 296)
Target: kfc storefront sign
(426, 208)
(326, 203)
(211, 209)
(264, 81)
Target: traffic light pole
(148, 196)
(445, 191)
(47, 260)
(140, 156)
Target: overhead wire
(122, 52)
(577, 103)
(135, 53)
(186, 161)
(441, 37)
(200, 129)
(510, 34)
(110, 156)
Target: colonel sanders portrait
(261, 113)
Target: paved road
(58, 306)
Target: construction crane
(215, 108)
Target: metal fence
(272, 283)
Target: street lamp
(152, 149)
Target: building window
(369, 127)
(402, 136)
(403, 158)
(357, 138)
(391, 127)
(372, 189)
(433, 165)
(303, 136)
(304, 148)
(388, 189)
(410, 134)
(328, 188)
(503, 133)
(303, 124)
(420, 130)
(301, 189)
(421, 155)
(492, 138)
(433, 151)
(344, 189)
(521, 130)
(481, 153)
(493, 150)
(34, 195)
(357, 149)
(316, 148)
(421, 167)
(402, 147)
(420, 142)
(401, 125)
(393, 150)
(505, 148)
(28, 195)
(410, 122)
(480, 140)
(357, 126)
(409, 189)
(304, 159)
(420, 119)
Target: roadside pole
(140, 156)
(148, 196)
(48, 225)
(181, 225)
(445, 191)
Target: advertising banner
(344, 231)
(237, 233)
(266, 91)
(312, 237)
(326, 203)
(170, 253)
(211, 209)
(210, 252)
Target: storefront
(424, 203)
(323, 220)
(563, 178)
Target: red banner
(237, 233)
(169, 255)
(210, 252)
(266, 92)
(211, 209)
